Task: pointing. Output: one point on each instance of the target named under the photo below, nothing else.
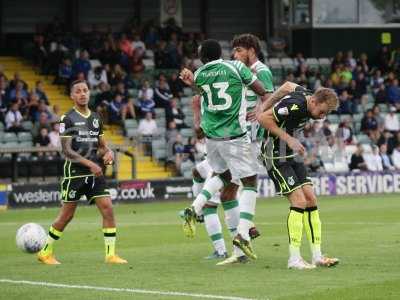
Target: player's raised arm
(285, 89)
(196, 106)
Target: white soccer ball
(31, 237)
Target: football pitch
(363, 231)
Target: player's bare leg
(312, 226)
(65, 216)
(104, 205)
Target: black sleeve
(66, 127)
(289, 109)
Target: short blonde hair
(329, 96)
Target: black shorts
(288, 176)
(72, 189)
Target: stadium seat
(187, 132)
(363, 139)
(160, 112)
(10, 137)
(25, 144)
(27, 125)
(334, 119)
(349, 150)
(130, 123)
(160, 154)
(1, 136)
(383, 108)
(133, 93)
(312, 63)
(132, 133)
(341, 167)
(186, 101)
(1, 126)
(148, 63)
(367, 148)
(186, 168)
(24, 137)
(357, 117)
(10, 145)
(345, 117)
(149, 53)
(187, 91)
(161, 122)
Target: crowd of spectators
(369, 103)
(134, 73)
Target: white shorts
(204, 169)
(255, 151)
(233, 155)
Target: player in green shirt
(223, 85)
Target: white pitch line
(125, 290)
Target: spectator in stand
(138, 47)
(326, 128)
(162, 93)
(117, 75)
(392, 121)
(174, 113)
(363, 62)
(393, 93)
(55, 114)
(103, 100)
(350, 61)
(42, 140)
(147, 129)
(346, 104)
(376, 112)
(374, 161)
(33, 105)
(396, 157)
(13, 119)
(116, 110)
(108, 54)
(337, 60)
(96, 77)
(125, 45)
(384, 59)
(146, 101)
(176, 85)
(385, 138)
(178, 150)
(82, 64)
(361, 85)
(335, 76)
(381, 95)
(190, 46)
(386, 161)
(42, 109)
(377, 80)
(65, 72)
(190, 149)
(17, 78)
(39, 90)
(18, 89)
(357, 160)
(161, 55)
(369, 125)
(54, 136)
(174, 50)
(151, 37)
(127, 101)
(43, 122)
(345, 133)
(137, 64)
(23, 103)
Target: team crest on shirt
(62, 127)
(95, 123)
(291, 180)
(294, 107)
(72, 194)
(283, 111)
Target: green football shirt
(223, 87)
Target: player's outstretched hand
(108, 158)
(96, 170)
(187, 76)
(296, 146)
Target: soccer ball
(31, 238)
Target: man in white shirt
(373, 160)
(396, 157)
(392, 121)
(147, 128)
(138, 46)
(14, 118)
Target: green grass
(364, 232)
